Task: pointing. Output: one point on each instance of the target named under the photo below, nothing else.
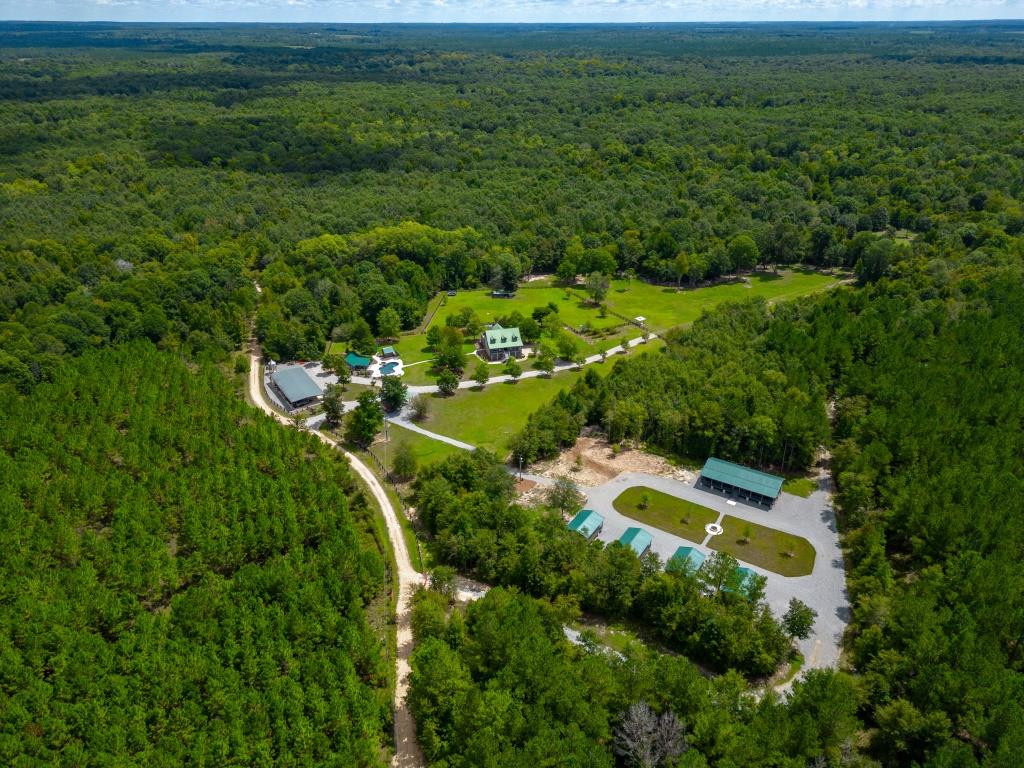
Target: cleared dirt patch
(593, 462)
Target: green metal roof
(684, 555)
(503, 338)
(587, 521)
(637, 539)
(356, 361)
(295, 384)
(745, 576)
(742, 477)
(387, 351)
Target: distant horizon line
(760, 22)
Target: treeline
(499, 684)
(58, 300)
(732, 386)
(466, 505)
(614, 150)
(358, 287)
(181, 580)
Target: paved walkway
(407, 750)
(323, 378)
(824, 589)
(402, 419)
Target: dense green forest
(140, 155)
(185, 582)
(925, 375)
(499, 684)
(182, 582)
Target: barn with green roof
(742, 483)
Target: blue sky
(507, 10)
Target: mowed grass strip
(489, 419)
(666, 512)
(767, 548)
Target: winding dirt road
(407, 750)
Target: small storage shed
(587, 523)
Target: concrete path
(407, 750)
(402, 419)
(813, 518)
(324, 379)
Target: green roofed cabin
(357, 362)
(294, 385)
(636, 539)
(501, 343)
(587, 523)
(744, 577)
(687, 557)
(744, 483)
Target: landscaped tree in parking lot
(798, 620)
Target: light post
(520, 467)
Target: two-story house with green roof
(499, 343)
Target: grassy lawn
(800, 486)
(573, 309)
(665, 307)
(488, 419)
(767, 548)
(427, 449)
(669, 513)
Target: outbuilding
(295, 387)
(587, 523)
(501, 343)
(743, 483)
(357, 363)
(688, 558)
(636, 539)
(388, 352)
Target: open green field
(572, 305)
(665, 307)
(488, 419)
(773, 550)
(669, 513)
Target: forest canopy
(182, 581)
